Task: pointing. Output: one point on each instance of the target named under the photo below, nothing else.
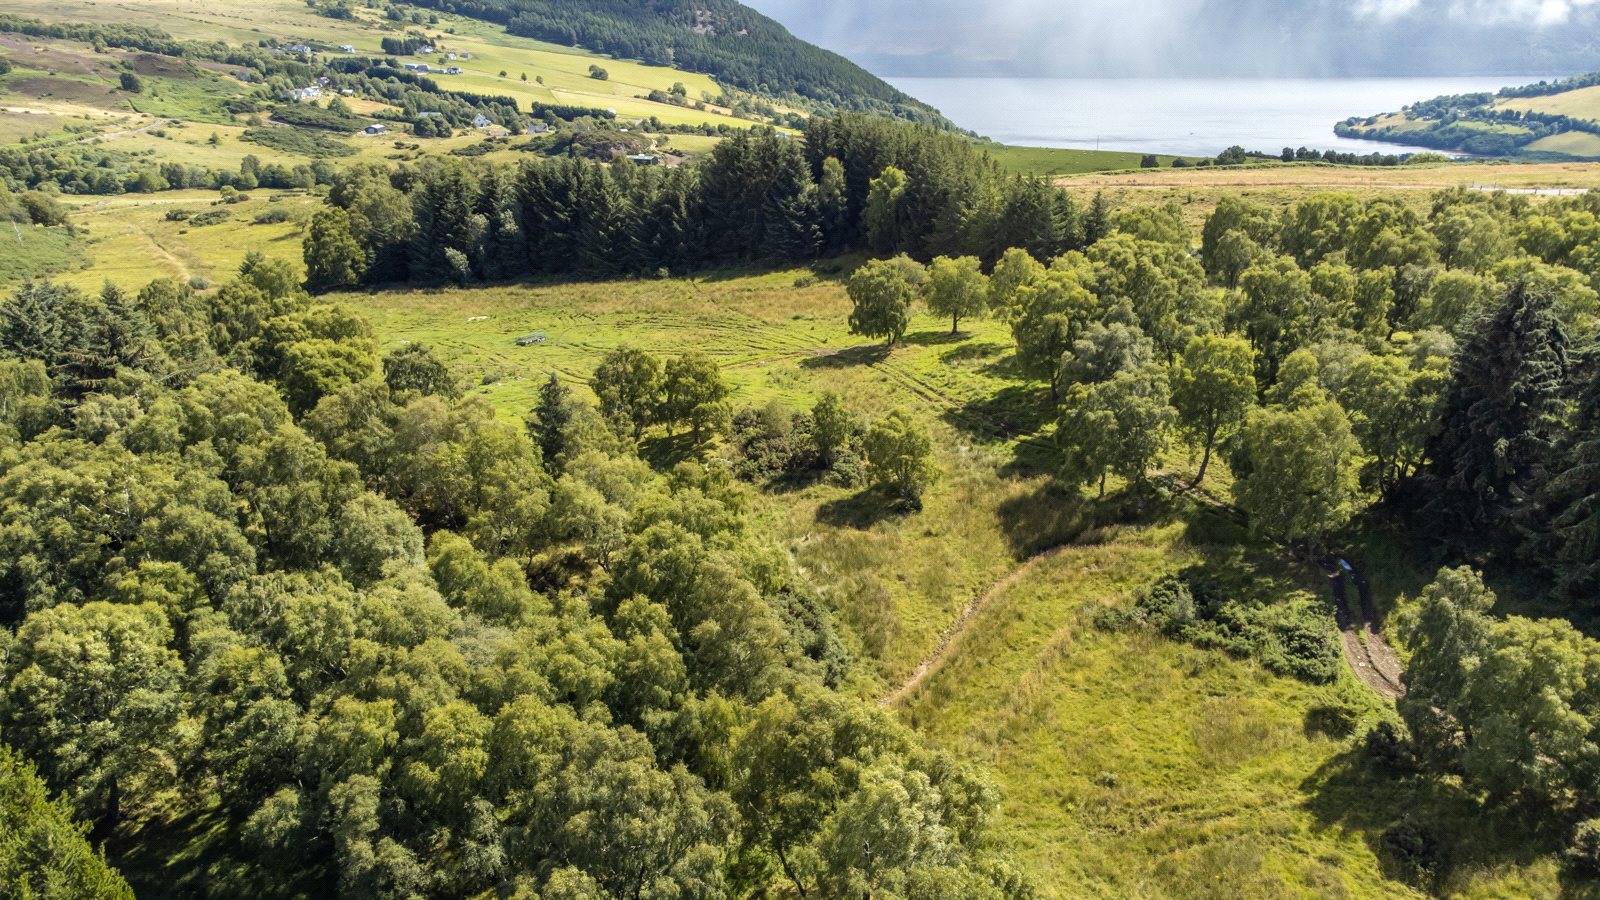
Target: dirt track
(1369, 655)
(960, 626)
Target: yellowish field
(1583, 103)
(1197, 191)
(1572, 143)
(130, 242)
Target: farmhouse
(481, 121)
(376, 128)
(347, 48)
(305, 93)
(299, 48)
(452, 70)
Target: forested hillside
(724, 38)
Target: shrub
(1415, 850)
(1167, 606)
(1584, 853)
(209, 217)
(273, 215)
(1389, 746)
(179, 215)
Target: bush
(209, 217)
(1293, 636)
(1584, 854)
(770, 442)
(131, 83)
(1167, 606)
(179, 215)
(1415, 850)
(1388, 746)
(273, 215)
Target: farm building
(452, 70)
(529, 340)
(376, 128)
(481, 121)
(645, 159)
(347, 48)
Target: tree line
(760, 197)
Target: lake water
(1182, 116)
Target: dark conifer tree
(1501, 414)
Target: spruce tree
(1500, 413)
(1573, 494)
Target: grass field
(1196, 191)
(128, 239)
(1572, 143)
(1583, 103)
(1053, 161)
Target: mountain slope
(741, 47)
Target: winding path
(963, 623)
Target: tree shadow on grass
(970, 350)
(1425, 830)
(862, 510)
(934, 338)
(1048, 516)
(1009, 413)
(664, 453)
(859, 355)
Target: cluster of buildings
(433, 70)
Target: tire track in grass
(963, 623)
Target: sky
(1202, 37)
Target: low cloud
(1202, 37)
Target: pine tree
(1500, 412)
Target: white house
(481, 121)
(452, 70)
(347, 48)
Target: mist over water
(1182, 116)
(1237, 38)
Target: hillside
(1549, 120)
(740, 47)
